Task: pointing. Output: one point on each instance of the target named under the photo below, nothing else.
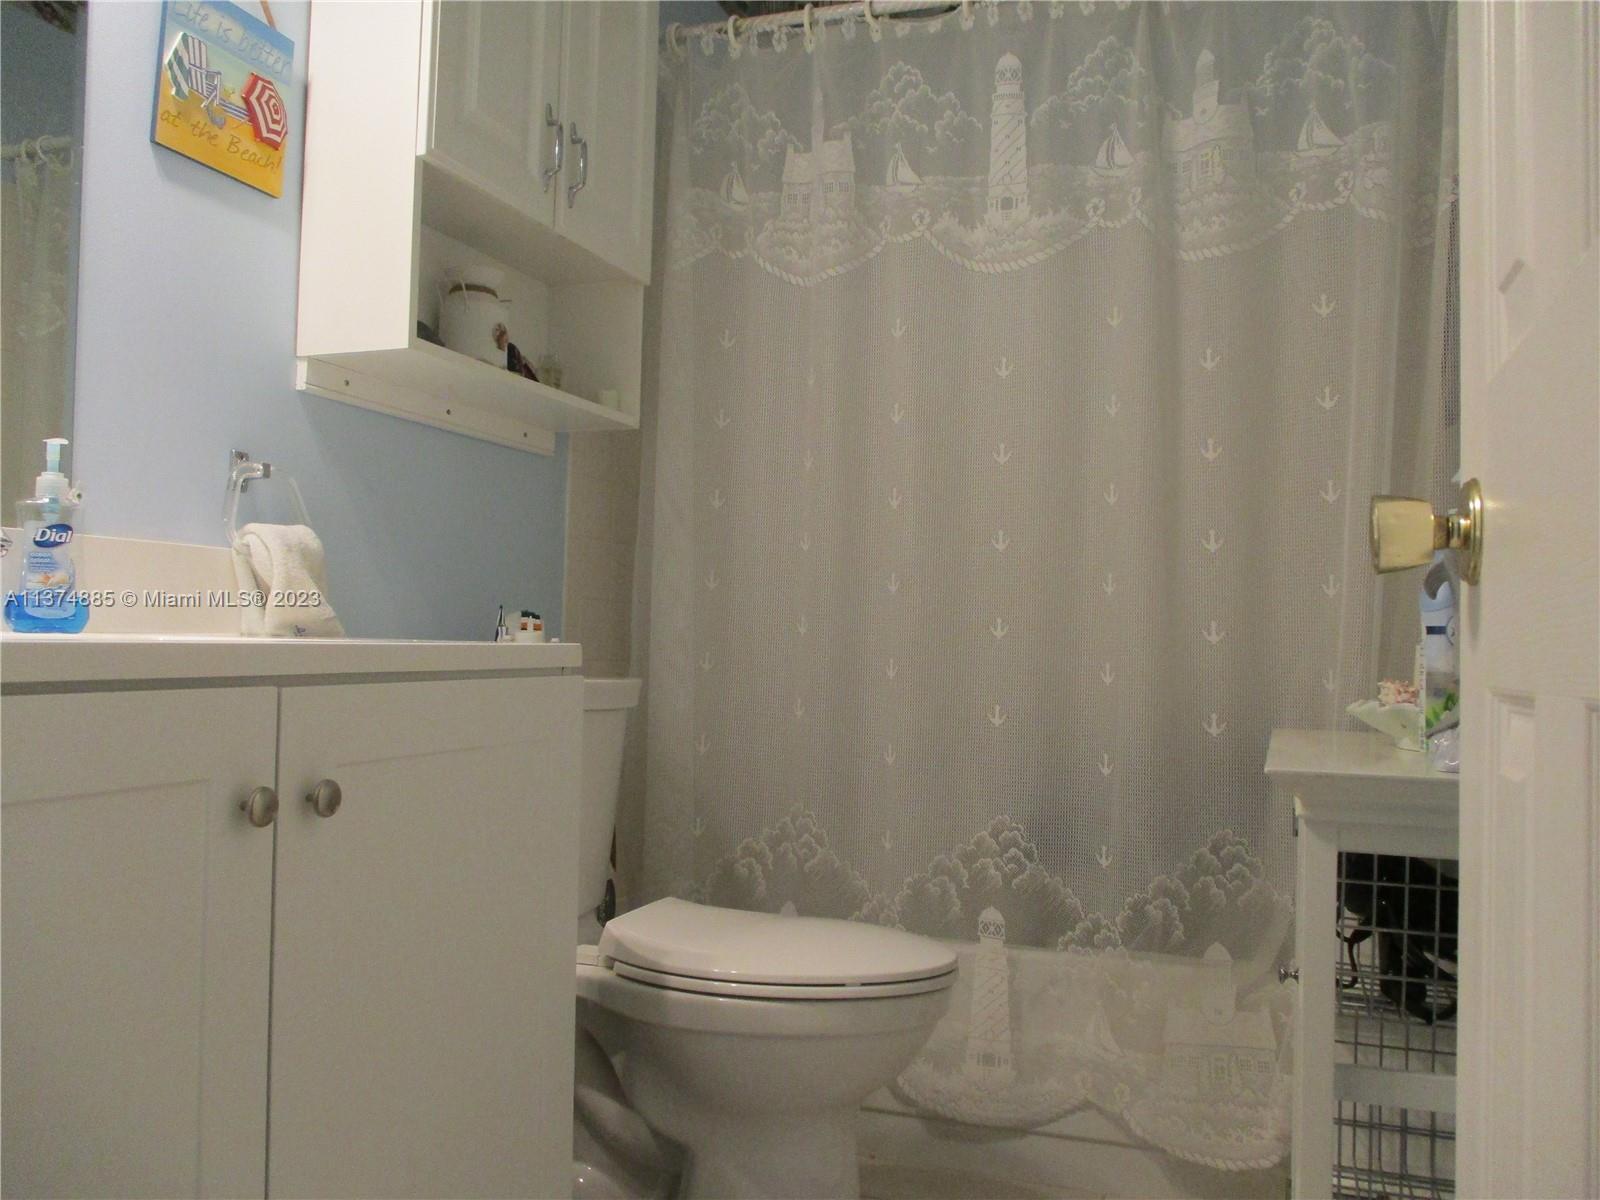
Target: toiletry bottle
(47, 599)
(1440, 672)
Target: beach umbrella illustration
(268, 119)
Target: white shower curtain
(38, 212)
(1022, 376)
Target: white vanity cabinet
(136, 904)
(372, 1002)
(422, 1000)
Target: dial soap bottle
(46, 598)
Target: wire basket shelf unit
(1375, 947)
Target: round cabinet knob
(1287, 973)
(325, 798)
(261, 806)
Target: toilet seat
(681, 946)
(782, 991)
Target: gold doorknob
(1406, 531)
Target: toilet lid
(747, 949)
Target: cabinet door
(608, 91)
(494, 68)
(422, 989)
(137, 910)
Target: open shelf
(432, 384)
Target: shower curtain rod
(871, 10)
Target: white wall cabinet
(414, 945)
(551, 107)
(495, 99)
(608, 95)
(521, 135)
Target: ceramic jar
(472, 315)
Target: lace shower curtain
(38, 210)
(1023, 376)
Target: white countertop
(1350, 755)
(37, 661)
(1360, 778)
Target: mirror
(41, 127)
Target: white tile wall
(602, 520)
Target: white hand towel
(285, 562)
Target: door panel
(137, 914)
(608, 88)
(494, 68)
(1529, 1086)
(422, 1011)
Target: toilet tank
(606, 705)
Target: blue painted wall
(186, 350)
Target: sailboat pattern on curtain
(1212, 166)
(985, 559)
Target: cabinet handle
(583, 166)
(325, 798)
(261, 806)
(1287, 973)
(554, 168)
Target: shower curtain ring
(811, 38)
(734, 46)
(673, 30)
(874, 24)
(966, 14)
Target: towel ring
(241, 470)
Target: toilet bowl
(745, 1041)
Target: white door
(422, 989)
(137, 918)
(1529, 1086)
(495, 71)
(608, 100)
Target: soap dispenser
(47, 597)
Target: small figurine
(515, 362)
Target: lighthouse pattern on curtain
(1008, 145)
(1218, 166)
(989, 1028)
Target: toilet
(722, 1052)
